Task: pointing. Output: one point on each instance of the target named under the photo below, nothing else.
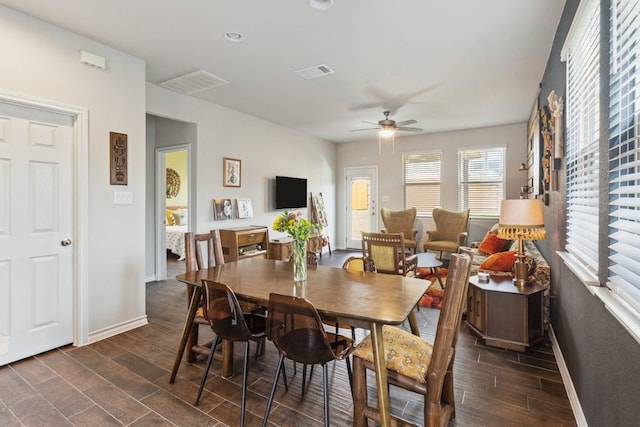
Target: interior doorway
(361, 194)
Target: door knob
(65, 242)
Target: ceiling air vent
(194, 82)
(315, 71)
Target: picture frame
(534, 151)
(245, 209)
(118, 158)
(223, 209)
(231, 172)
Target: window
(624, 153)
(481, 180)
(422, 181)
(582, 139)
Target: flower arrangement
(295, 225)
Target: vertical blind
(624, 153)
(582, 137)
(422, 181)
(481, 180)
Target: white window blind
(624, 153)
(422, 181)
(582, 137)
(481, 180)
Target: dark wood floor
(124, 380)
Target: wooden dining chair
(388, 252)
(227, 320)
(295, 327)
(415, 364)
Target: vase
(299, 260)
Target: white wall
(365, 153)
(265, 150)
(41, 61)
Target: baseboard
(151, 278)
(117, 329)
(576, 407)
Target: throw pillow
(501, 261)
(170, 219)
(492, 244)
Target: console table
(503, 314)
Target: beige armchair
(450, 233)
(401, 222)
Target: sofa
(539, 271)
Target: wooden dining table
(363, 299)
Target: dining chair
(401, 222)
(450, 233)
(417, 365)
(388, 252)
(228, 322)
(295, 327)
(359, 263)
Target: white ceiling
(449, 64)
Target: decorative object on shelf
(521, 219)
(245, 209)
(223, 209)
(299, 229)
(118, 158)
(231, 172)
(172, 183)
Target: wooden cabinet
(281, 249)
(505, 315)
(244, 242)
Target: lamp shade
(521, 218)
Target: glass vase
(299, 261)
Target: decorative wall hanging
(231, 172)
(223, 209)
(172, 183)
(118, 158)
(547, 138)
(556, 108)
(245, 209)
(534, 151)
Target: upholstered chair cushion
(385, 257)
(405, 353)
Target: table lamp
(521, 219)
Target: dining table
(362, 299)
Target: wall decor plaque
(118, 158)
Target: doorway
(361, 194)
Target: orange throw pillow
(492, 244)
(502, 261)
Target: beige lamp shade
(521, 218)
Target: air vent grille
(194, 82)
(315, 71)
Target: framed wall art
(223, 209)
(118, 158)
(245, 209)
(231, 172)
(534, 151)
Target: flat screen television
(291, 193)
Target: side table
(505, 315)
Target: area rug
(433, 297)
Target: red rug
(433, 297)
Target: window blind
(481, 180)
(422, 181)
(624, 153)
(582, 138)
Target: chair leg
(349, 373)
(273, 390)
(244, 382)
(304, 376)
(325, 391)
(359, 392)
(206, 370)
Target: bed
(176, 226)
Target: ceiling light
(233, 36)
(321, 4)
(387, 132)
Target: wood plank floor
(124, 380)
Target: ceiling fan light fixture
(387, 132)
(321, 4)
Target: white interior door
(362, 213)
(36, 231)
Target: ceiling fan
(387, 128)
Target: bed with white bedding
(176, 226)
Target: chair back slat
(203, 250)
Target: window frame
(466, 180)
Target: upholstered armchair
(401, 222)
(450, 233)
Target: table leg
(434, 270)
(188, 323)
(381, 373)
(413, 323)
(227, 359)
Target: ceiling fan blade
(357, 130)
(404, 128)
(369, 123)
(406, 122)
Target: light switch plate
(122, 198)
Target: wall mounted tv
(291, 193)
